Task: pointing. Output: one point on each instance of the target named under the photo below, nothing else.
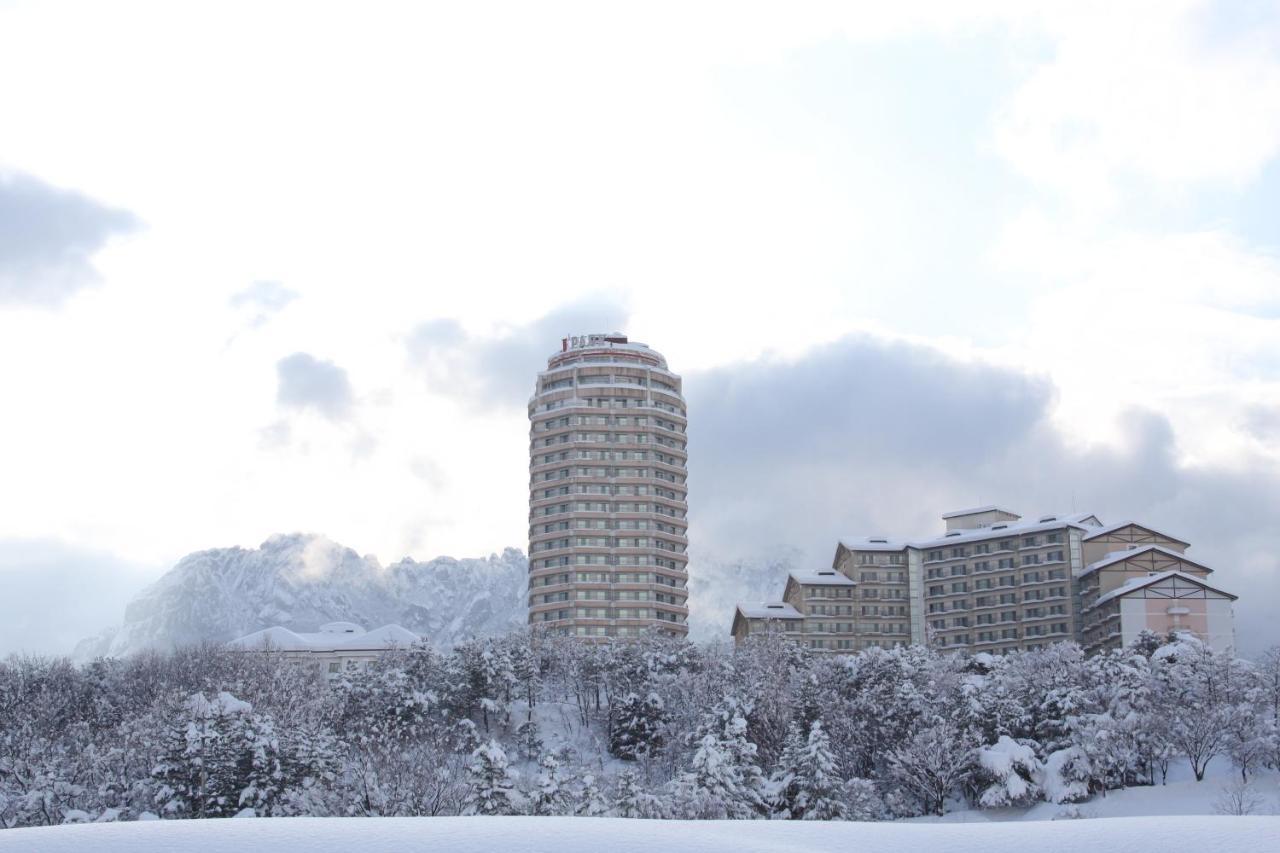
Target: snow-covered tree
(588, 799)
(635, 726)
(492, 783)
(549, 795)
(1007, 774)
(632, 800)
(1066, 775)
(933, 763)
(807, 785)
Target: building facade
(336, 648)
(607, 492)
(994, 582)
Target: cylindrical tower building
(607, 497)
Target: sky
(275, 267)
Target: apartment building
(995, 582)
(607, 492)
(881, 571)
(1138, 579)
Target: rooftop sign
(582, 341)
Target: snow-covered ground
(1182, 796)
(589, 835)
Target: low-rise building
(825, 601)
(994, 582)
(335, 648)
(767, 617)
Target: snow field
(592, 835)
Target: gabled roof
(1112, 528)
(1136, 584)
(1121, 556)
(768, 610)
(824, 577)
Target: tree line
(654, 728)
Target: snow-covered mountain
(302, 581)
(717, 585)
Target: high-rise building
(607, 494)
(994, 582)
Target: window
(333, 666)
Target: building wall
(992, 587)
(1126, 538)
(828, 615)
(1009, 590)
(882, 610)
(608, 530)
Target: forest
(654, 728)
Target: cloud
(1149, 101)
(499, 371)
(1262, 423)
(871, 437)
(48, 237)
(263, 299)
(306, 382)
(56, 594)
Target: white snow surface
(326, 641)
(769, 610)
(821, 578)
(589, 835)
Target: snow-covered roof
(825, 577)
(341, 628)
(327, 639)
(960, 513)
(1079, 519)
(769, 610)
(872, 543)
(1112, 528)
(1120, 556)
(1135, 584)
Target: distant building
(336, 648)
(993, 582)
(767, 617)
(607, 492)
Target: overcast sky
(272, 267)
